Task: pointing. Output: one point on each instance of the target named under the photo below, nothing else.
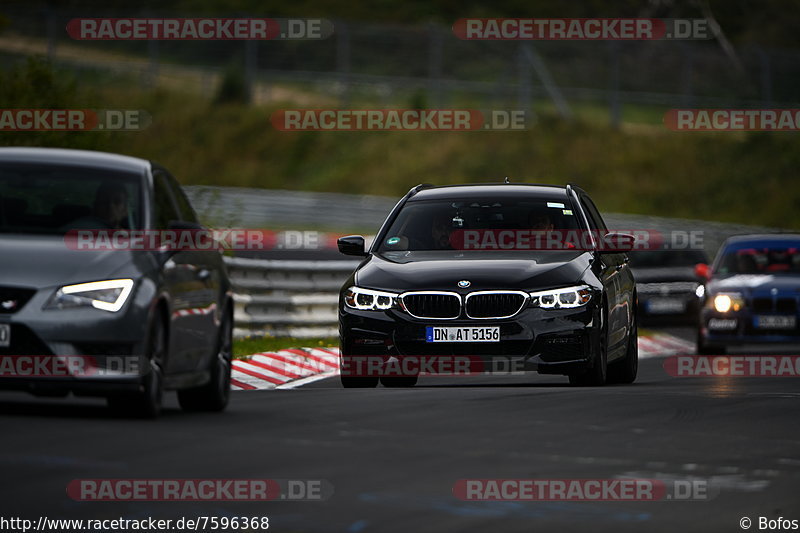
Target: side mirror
(702, 271)
(351, 245)
(178, 227)
(615, 242)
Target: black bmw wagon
(516, 272)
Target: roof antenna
(506, 181)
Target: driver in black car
(111, 205)
(441, 229)
(109, 210)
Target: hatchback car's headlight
(728, 301)
(567, 297)
(107, 295)
(369, 300)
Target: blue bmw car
(751, 294)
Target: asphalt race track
(394, 455)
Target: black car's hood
(755, 283)
(45, 261)
(663, 274)
(441, 270)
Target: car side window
(163, 203)
(594, 215)
(184, 207)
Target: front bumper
(85, 351)
(738, 328)
(545, 340)
(679, 307)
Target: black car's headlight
(109, 295)
(565, 298)
(369, 300)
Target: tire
(708, 349)
(147, 402)
(214, 395)
(597, 374)
(355, 382)
(349, 382)
(396, 382)
(625, 371)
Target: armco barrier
(286, 298)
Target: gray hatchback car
(137, 320)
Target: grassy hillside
(747, 178)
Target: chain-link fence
(428, 66)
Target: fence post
(687, 75)
(613, 85)
(151, 72)
(343, 61)
(436, 44)
(151, 77)
(766, 78)
(523, 80)
(547, 80)
(52, 32)
(251, 68)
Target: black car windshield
(445, 225)
(760, 258)
(666, 258)
(52, 200)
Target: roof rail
(421, 186)
(572, 186)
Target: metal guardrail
(286, 298)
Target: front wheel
(147, 402)
(393, 382)
(596, 375)
(625, 371)
(707, 349)
(349, 375)
(214, 395)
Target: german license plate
(776, 321)
(666, 305)
(5, 335)
(465, 334)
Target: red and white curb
(662, 345)
(193, 311)
(284, 369)
(287, 369)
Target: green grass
(252, 345)
(641, 168)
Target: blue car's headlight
(109, 295)
(565, 298)
(728, 301)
